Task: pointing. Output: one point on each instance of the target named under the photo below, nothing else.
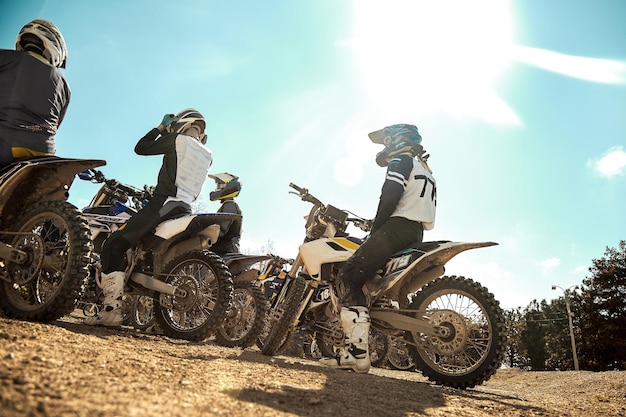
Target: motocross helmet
(398, 139)
(43, 37)
(187, 118)
(227, 186)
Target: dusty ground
(68, 369)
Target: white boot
(355, 355)
(113, 287)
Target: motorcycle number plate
(321, 294)
(398, 263)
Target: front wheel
(281, 318)
(473, 350)
(245, 319)
(45, 286)
(207, 288)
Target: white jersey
(192, 168)
(419, 200)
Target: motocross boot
(355, 355)
(113, 287)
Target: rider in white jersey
(180, 139)
(406, 208)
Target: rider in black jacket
(180, 139)
(406, 208)
(227, 188)
(33, 92)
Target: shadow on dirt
(302, 387)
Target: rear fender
(237, 263)
(426, 267)
(27, 182)
(188, 232)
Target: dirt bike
(112, 205)
(246, 317)
(190, 286)
(45, 248)
(455, 327)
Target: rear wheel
(45, 286)
(245, 319)
(208, 292)
(142, 312)
(401, 354)
(474, 347)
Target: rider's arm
(227, 207)
(398, 172)
(153, 144)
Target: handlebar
(305, 196)
(97, 176)
(361, 223)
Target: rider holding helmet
(406, 208)
(227, 188)
(180, 139)
(33, 92)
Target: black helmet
(187, 118)
(398, 139)
(44, 37)
(227, 186)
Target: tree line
(539, 334)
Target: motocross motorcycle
(453, 325)
(190, 286)
(246, 317)
(45, 249)
(112, 205)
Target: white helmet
(187, 118)
(43, 37)
(226, 186)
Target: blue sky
(521, 105)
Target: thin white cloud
(592, 69)
(549, 264)
(581, 269)
(613, 163)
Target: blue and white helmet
(45, 38)
(398, 139)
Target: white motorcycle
(191, 287)
(453, 326)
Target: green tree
(532, 337)
(559, 354)
(604, 312)
(513, 357)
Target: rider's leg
(355, 353)
(114, 264)
(394, 235)
(112, 285)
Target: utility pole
(569, 318)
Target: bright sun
(434, 55)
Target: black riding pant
(395, 234)
(144, 221)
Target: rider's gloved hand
(168, 119)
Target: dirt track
(68, 369)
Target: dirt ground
(68, 369)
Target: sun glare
(422, 56)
